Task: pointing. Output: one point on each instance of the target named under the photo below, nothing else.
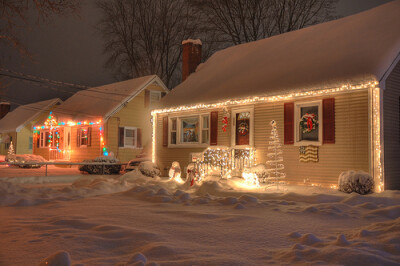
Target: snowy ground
(132, 219)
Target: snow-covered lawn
(103, 220)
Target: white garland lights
(375, 123)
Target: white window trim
(234, 111)
(41, 137)
(179, 144)
(80, 137)
(136, 137)
(297, 107)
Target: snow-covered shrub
(149, 169)
(31, 160)
(98, 169)
(261, 171)
(356, 181)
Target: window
(45, 139)
(84, 136)
(242, 127)
(188, 130)
(130, 137)
(30, 143)
(308, 123)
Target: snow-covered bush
(261, 171)
(149, 169)
(31, 160)
(356, 181)
(98, 169)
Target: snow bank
(356, 181)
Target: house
(97, 121)
(333, 90)
(16, 126)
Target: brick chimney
(191, 57)
(4, 109)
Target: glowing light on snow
(251, 179)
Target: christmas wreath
(243, 128)
(308, 122)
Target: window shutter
(214, 128)
(38, 140)
(121, 135)
(78, 137)
(288, 123)
(139, 138)
(328, 117)
(165, 131)
(89, 137)
(146, 98)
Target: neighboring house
(17, 125)
(97, 121)
(332, 88)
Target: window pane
(47, 139)
(130, 137)
(204, 136)
(205, 122)
(190, 130)
(173, 124)
(173, 137)
(84, 136)
(308, 126)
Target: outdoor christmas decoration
(175, 171)
(192, 174)
(225, 119)
(308, 154)
(308, 122)
(275, 159)
(11, 149)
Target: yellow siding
(81, 153)
(134, 114)
(349, 152)
(23, 136)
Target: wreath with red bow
(308, 122)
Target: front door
(242, 128)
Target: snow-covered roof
(101, 102)
(349, 49)
(15, 120)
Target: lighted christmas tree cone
(275, 158)
(11, 149)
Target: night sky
(69, 49)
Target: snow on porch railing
(225, 161)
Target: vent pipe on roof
(4, 109)
(191, 57)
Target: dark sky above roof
(70, 50)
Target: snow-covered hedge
(356, 181)
(31, 160)
(149, 169)
(98, 169)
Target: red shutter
(89, 137)
(214, 128)
(165, 131)
(121, 135)
(288, 123)
(328, 119)
(139, 138)
(78, 137)
(146, 98)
